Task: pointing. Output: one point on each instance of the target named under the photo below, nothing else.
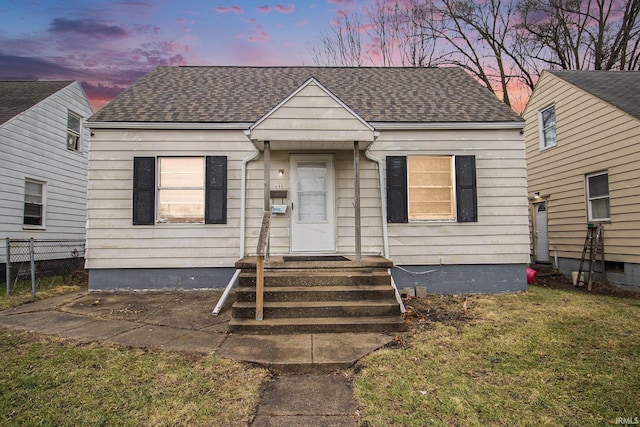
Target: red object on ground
(531, 276)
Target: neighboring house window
(33, 203)
(431, 188)
(598, 197)
(189, 190)
(547, 119)
(74, 142)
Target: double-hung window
(181, 189)
(430, 188)
(547, 122)
(186, 190)
(74, 141)
(427, 188)
(598, 196)
(33, 203)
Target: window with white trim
(547, 123)
(33, 203)
(74, 141)
(598, 196)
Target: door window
(312, 192)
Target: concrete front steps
(316, 296)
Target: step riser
(310, 281)
(316, 329)
(302, 312)
(249, 295)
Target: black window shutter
(397, 189)
(466, 194)
(144, 190)
(216, 190)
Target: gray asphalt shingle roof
(619, 88)
(18, 96)
(245, 94)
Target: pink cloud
(302, 23)
(227, 9)
(264, 9)
(340, 2)
(258, 35)
(285, 9)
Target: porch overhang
(311, 118)
(316, 144)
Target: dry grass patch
(46, 287)
(544, 357)
(47, 381)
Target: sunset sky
(107, 45)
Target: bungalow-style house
(583, 159)
(419, 166)
(43, 162)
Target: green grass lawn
(544, 357)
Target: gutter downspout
(385, 233)
(243, 198)
(243, 208)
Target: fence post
(8, 269)
(33, 268)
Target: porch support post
(356, 202)
(267, 187)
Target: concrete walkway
(182, 321)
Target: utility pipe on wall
(383, 199)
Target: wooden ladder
(594, 249)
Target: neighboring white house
(176, 183)
(43, 160)
(583, 161)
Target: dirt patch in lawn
(549, 277)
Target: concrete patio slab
(24, 319)
(347, 347)
(100, 329)
(148, 336)
(269, 350)
(196, 342)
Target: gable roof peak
(17, 96)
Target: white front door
(542, 237)
(313, 227)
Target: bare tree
(343, 46)
(502, 43)
(392, 36)
(583, 35)
(480, 36)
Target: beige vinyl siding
(501, 234)
(311, 115)
(592, 136)
(112, 240)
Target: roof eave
(246, 125)
(447, 125)
(168, 125)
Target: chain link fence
(33, 259)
